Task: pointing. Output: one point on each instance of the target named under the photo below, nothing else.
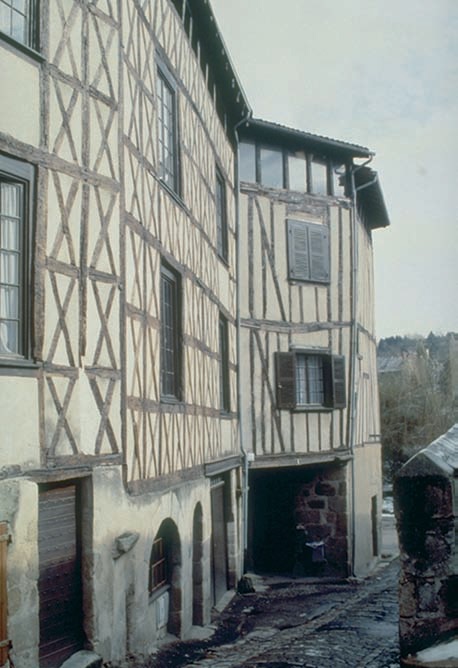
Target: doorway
(60, 582)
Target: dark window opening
(221, 216)
(170, 334)
(310, 380)
(224, 365)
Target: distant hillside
(436, 345)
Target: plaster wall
(20, 437)
(19, 507)
(20, 107)
(368, 477)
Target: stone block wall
(321, 507)
(428, 592)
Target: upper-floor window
(167, 131)
(221, 216)
(16, 193)
(308, 251)
(271, 167)
(18, 20)
(310, 379)
(170, 334)
(275, 167)
(224, 383)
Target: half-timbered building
(120, 505)
(308, 206)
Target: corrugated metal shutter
(3, 593)
(59, 584)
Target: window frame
(224, 375)
(173, 184)
(222, 231)
(334, 379)
(309, 253)
(158, 563)
(173, 391)
(31, 44)
(19, 172)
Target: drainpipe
(353, 345)
(245, 483)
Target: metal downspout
(353, 349)
(245, 487)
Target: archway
(165, 572)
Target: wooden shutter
(4, 645)
(308, 251)
(319, 253)
(285, 370)
(298, 251)
(338, 382)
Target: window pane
(9, 338)
(319, 178)
(297, 169)
(18, 30)
(271, 168)
(221, 220)
(309, 380)
(169, 335)
(247, 162)
(10, 199)
(315, 379)
(9, 302)
(9, 268)
(14, 19)
(167, 133)
(9, 233)
(301, 380)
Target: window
(224, 385)
(221, 216)
(308, 251)
(319, 177)
(18, 20)
(297, 171)
(170, 334)
(310, 380)
(158, 566)
(16, 192)
(167, 132)
(271, 164)
(247, 153)
(339, 180)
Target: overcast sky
(383, 74)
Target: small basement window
(310, 380)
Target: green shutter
(285, 368)
(319, 253)
(308, 251)
(298, 251)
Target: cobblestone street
(298, 623)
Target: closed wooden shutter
(59, 584)
(338, 381)
(308, 251)
(3, 594)
(285, 368)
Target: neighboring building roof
(341, 149)
(440, 456)
(389, 364)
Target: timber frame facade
(125, 246)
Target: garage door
(60, 588)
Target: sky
(382, 74)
